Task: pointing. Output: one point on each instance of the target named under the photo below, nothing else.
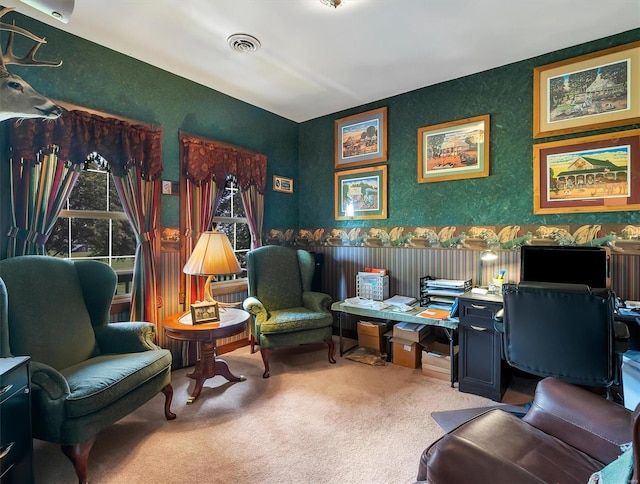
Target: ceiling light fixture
(59, 9)
(332, 3)
(243, 43)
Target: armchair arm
(130, 337)
(255, 307)
(49, 393)
(580, 418)
(49, 380)
(316, 301)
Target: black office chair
(562, 330)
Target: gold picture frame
(593, 91)
(454, 150)
(204, 312)
(361, 139)
(589, 174)
(282, 184)
(361, 194)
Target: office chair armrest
(498, 323)
(316, 301)
(128, 337)
(256, 308)
(622, 336)
(49, 380)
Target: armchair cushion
(100, 381)
(295, 319)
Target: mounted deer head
(17, 98)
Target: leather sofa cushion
(295, 319)
(498, 447)
(99, 381)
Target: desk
(232, 321)
(449, 325)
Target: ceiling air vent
(243, 43)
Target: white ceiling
(316, 60)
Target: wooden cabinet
(481, 368)
(16, 444)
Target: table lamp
(212, 255)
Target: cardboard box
(411, 331)
(436, 361)
(406, 353)
(370, 335)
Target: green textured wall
(505, 197)
(101, 79)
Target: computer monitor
(566, 264)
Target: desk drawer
(478, 313)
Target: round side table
(179, 327)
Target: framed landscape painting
(593, 91)
(361, 139)
(361, 194)
(598, 173)
(454, 150)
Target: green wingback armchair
(85, 372)
(284, 310)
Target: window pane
(89, 192)
(90, 237)
(124, 240)
(58, 243)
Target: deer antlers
(29, 59)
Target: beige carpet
(311, 422)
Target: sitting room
(204, 205)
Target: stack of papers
(360, 302)
(401, 300)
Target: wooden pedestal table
(179, 327)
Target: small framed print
(361, 139)
(361, 194)
(282, 184)
(204, 312)
(454, 150)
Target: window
(92, 225)
(232, 220)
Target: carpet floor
(310, 422)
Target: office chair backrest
(560, 330)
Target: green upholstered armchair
(284, 310)
(85, 372)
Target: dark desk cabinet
(481, 369)
(16, 445)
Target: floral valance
(77, 134)
(204, 159)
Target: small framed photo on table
(204, 312)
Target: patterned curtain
(39, 190)
(134, 157)
(253, 202)
(202, 203)
(140, 198)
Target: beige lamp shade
(212, 255)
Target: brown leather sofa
(568, 434)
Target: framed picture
(204, 312)
(598, 173)
(361, 194)
(282, 184)
(454, 150)
(361, 139)
(170, 239)
(170, 187)
(593, 91)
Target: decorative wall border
(619, 237)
